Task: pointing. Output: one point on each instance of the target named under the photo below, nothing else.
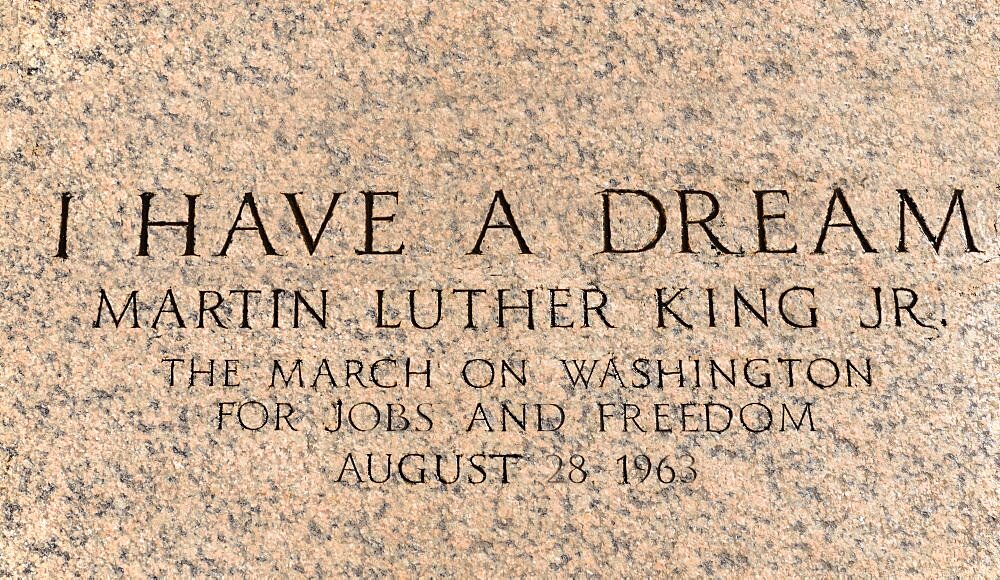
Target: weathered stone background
(104, 471)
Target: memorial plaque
(460, 289)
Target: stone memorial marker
(470, 289)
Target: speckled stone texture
(105, 470)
